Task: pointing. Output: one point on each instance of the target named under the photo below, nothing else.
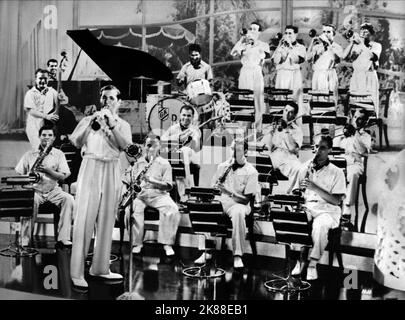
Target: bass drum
(165, 113)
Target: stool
(362, 183)
(48, 208)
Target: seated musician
(185, 133)
(357, 144)
(156, 182)
(323, 186)
(51, 170)
(238, 181)
(285, 143)
(195, 69)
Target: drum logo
(163, 113)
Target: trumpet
(315, 38)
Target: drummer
(195, 69)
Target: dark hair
(51, 60)
(194, 47)
(111, 87)
(47, 127)
(368, 26)
(294, 105)
(365, 112)
(187, 107)
(328, 140)
(258, 24)
(294, 28)
(332, 26)
(152, 136)
(41, 71)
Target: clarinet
(309, 171)
(222, 178)
(33, 172)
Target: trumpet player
(284, 142)
(357, 145)
(51, 169)
(288, 57)
(155, 184)
(364, 53)
(324, 186)
(101, 137)
(325, 54)
(253, 52)
(238, 181)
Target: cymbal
(160, 83)
(142, 78)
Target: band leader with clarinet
(102, 137)
(323, 186)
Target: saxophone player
(155, 183)
(238, 181)
(325, 186)
(51, 170)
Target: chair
(278, 99)
(48, 208)
(362, 183)
(241, 105)
(16, 202)
(206, 216)
(291, 226)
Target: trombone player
(285, 142)
(325, 54)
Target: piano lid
(119, 63)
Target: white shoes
(297, 269)
(81, 283)
(312, 273)
(203, 258)
(169, 250)
(237, 262)
(137, 249)
(108, 276)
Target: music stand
(17, 201)
(207, 216)
(291, 225)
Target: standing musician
(253, 52)
(39, 103)
(323, 186)
(357, 144)
(154, 176)
(284, 144)
(364, 53)
(238, 181)
(102, 137)
(195, 69)
(324, 54)
(67, 122)
(288, 56)
(187, 134)
(51, 167)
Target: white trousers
(320, 229)
(169, 218)
(59, 198)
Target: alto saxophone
(134, 187)
(33, 172)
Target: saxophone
(135, 187)
(33, 172)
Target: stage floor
(155, 277)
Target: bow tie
(236, 166)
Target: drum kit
(163, 106)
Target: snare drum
(165, 113)
(199, 92)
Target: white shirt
(331, 179)
(291, 61)
(189, 73)
(326, 59)
(363, 62)
(356, 146)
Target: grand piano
(128, 69)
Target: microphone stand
(129, 295)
